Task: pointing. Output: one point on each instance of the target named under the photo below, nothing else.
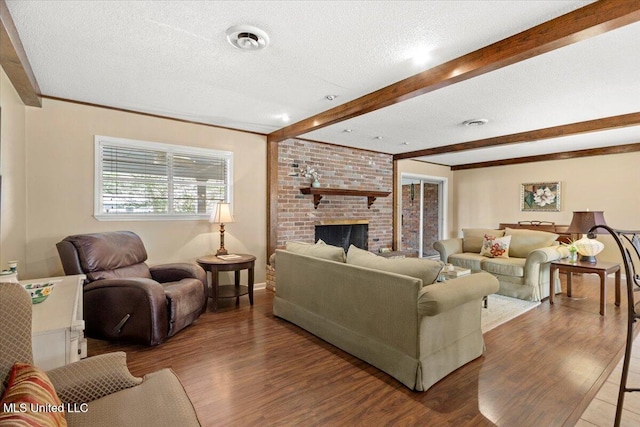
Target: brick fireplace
(342, 168)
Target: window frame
(170, 149)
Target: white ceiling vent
(475, 122)
(248, 38)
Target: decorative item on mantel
(221, 215)
(311, 173)
(581, 224)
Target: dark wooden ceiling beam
(583, 23)
(606, 123)
(14, 61)
(617, 149)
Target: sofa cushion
(31, 387)
(425, 269)
(472, 261)
(318, 250)
(495, 247)
(525, 241)
(505, 266)
(472, 238)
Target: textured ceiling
(171, 58)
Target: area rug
(502, 309)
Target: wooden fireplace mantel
(319, 192)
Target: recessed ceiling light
(405, 143)
(475, 122)
(421, 55)
(347, 131)
(379, 137)
(247, 38)
(285, 118)
(331, 97)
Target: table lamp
(580, 224)
(221, 215)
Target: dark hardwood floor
(243, 366)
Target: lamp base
(222, 251)
(588, 258)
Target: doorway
(423, 204)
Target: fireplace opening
(344, 235)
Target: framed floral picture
(540, 196)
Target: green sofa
(418, 333)
(524, 274)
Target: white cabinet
(57, 324)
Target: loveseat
(93, 392)
(387, 312)
(522, 267)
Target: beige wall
(60, 185)
(13, 224)
(431, 170)
(485, 197)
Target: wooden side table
(601, 268)
(215, 265)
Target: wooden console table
(601, 268)
(551, 227)
(319, 192)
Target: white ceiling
(172, 58)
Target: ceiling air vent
(475, 122)
(247, 38)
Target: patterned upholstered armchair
(126, 300)
(100, 388)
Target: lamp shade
(221, 214)
(583, 220)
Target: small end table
(601, 268)
(215, 265)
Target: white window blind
(146, 180)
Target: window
(148, 180)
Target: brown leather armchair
(126, 300)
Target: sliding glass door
(423, 213)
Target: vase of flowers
(573, 250)
(311, 174)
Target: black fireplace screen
(344, 235)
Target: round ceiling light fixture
(247, 38)
(475, 122)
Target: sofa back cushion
(424, 269)
(318, 250)
(472, 238)
(525, 241)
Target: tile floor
(601, 412)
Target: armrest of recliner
(149, 286)
(443, 296)
(126, 308)
(448, 247)
(175, 272)
(92, 378)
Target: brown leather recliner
(126, 300)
